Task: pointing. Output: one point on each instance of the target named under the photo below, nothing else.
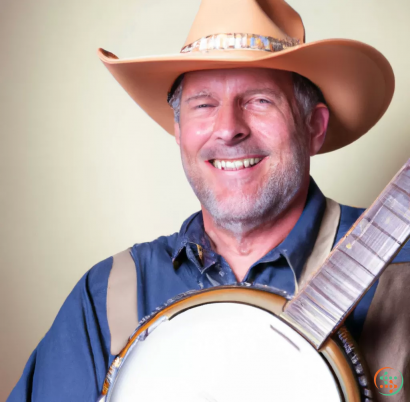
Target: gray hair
(174, 97)
(307, 96)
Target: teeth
(235, 165)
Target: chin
(246, 211)
(236, 213)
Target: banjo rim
(264, 299)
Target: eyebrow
(202, 94)
(265, 91)
(262, 91)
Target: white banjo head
(224, 352)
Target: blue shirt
(71, 361)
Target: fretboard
(354, 264)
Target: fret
(400, 189)
(338, 276)
(366, 246)
(403, 184)
(354, 265)
(361, 255)
(382, 241)
(334, 286)
(392, 223)
(327, 305)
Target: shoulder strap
(324, 241)
(122, 313)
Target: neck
(244, 249)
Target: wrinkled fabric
(71, 362)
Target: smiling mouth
(237, 164)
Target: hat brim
(356, 80)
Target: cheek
(274, 130)
(193, 137)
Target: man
(247, 118)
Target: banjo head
(226, 345)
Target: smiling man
(246, 143)
(251, 102)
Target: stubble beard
(241, 213)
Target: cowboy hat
(356, 80)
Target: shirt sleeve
(71, 361)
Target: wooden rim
(255, 297)
(259, 298)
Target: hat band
(240, 41)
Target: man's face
(243, 149)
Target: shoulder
(348, 216)
(96, 279)
(162, 247)
(88, 298)
(92, 284)
(349, 213)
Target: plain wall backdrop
(85, 173)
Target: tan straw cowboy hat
(356, 80)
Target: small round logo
(388, 381)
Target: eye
(203, 106)
(259, 101)
(258, 104)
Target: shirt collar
(193, 240)
(299, 243)
(296, 247)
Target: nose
(230, 126)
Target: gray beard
(242, 213)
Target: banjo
(241, 343)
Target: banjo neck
(354, 265)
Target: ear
(177, 133)
(317, 125)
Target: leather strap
(122, 313)
(324, 241)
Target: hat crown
(271, 18)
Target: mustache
(232, 152)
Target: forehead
(238, 79)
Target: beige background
(85, 174)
